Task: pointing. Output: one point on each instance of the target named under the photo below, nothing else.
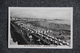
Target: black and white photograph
(40, 27)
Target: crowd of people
(42, 36)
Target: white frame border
(23, 46)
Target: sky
(42, 12)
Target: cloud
(48, 13)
